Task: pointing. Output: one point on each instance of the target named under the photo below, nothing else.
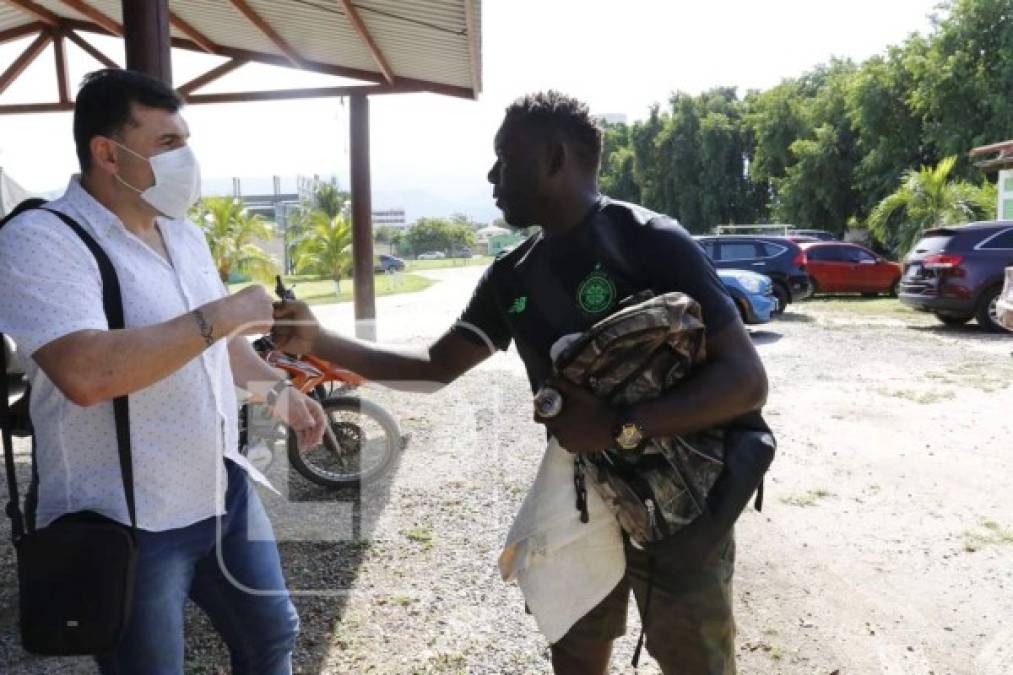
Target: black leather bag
(76, 575)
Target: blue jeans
(244, 596)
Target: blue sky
(431, 152)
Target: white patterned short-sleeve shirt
(181, 427)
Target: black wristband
(207, 331)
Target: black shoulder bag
(76, 575)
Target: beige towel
(564, 567)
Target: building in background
(610, 118)
(1003, 163)
(390, 218)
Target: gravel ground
(885, 544)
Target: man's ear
(103, 154)
(556, 155)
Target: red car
(836, 267)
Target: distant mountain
(475, 202)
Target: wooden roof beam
(319, 92)
(360, 27)
(24, 60)
(38, 11)
(25, 108)
(62, 74)
(210, 76)
(20, 31)
(90, 49)
(272, 35)
(95, 15)
(201, 40)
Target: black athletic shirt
(552, 286)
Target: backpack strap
(112, 303)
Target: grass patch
(420, 536)
(856, 304)
(919, 397)
(316, 291)
(989, 377)
(414, 265)
(809, 498)
(990, 533)
(444, 664)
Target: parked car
(753, 294)
(775, 257)
(819, 235)
(957, 272)
(837, 267)
(432, 255)
(387, 263)
(1004, 308)
(462, 253)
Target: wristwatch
(630, 435)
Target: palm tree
(324, 247)
(928, 198)
(232, 232)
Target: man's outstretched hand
(295, 329)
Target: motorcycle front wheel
(361, 442)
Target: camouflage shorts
(690, 627)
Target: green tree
(232, 234)
(327, 197)
(438, 234)
(618, 172)
(888, 131)
(963, 79)
(325, 247)
(928, 198)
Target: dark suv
(957, 272)
(776, 257)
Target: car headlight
(753, 283)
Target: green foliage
(232, 234)
(438, 234)
(324, 247)
(928, 198)
(826, 148)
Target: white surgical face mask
(177, 181)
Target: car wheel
(988, 311)
(783, 298)
(895, 289)
(743, 306)
(951, 320)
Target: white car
(432, 255)
(1004, 305)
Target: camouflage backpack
(634, 355)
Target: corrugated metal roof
(426, 40)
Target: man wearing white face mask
(203, 533)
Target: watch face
(629, 437)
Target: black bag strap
(112, 303)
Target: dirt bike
(361, 438)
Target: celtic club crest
(596, 293)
